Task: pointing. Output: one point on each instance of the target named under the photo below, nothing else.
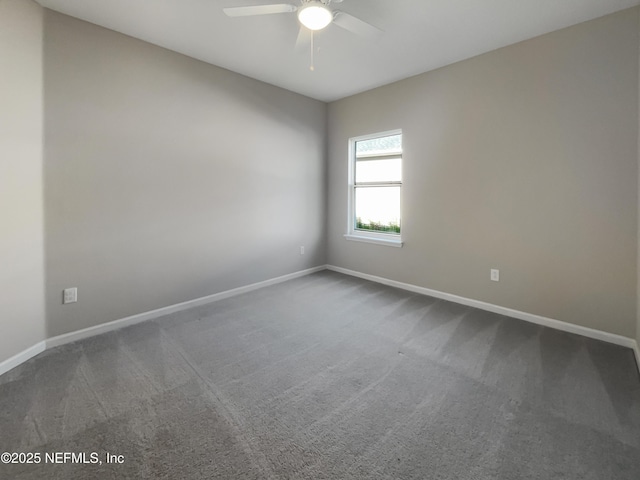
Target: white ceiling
(419, 35)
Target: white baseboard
(141, 317)
(22, 357)
(528, 317)
(16, 360)
(40, 347)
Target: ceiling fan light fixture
(315, 16)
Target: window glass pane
(377, 209)
(380, 146)
(388, 170)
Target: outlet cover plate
(70, 295)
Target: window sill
(389, 242)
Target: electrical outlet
(70, 295)
(495, 275)
(301, 250)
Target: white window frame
(380, 238)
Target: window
(375, 181)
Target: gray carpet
(329, 377)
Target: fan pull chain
(312, 68)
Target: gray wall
(168, 179)
(21, 238)
(524, 159)
(638, 276)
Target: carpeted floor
(328, 377)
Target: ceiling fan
(313, 15)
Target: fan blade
(303, 40)
(259, 10)
(355, 25)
